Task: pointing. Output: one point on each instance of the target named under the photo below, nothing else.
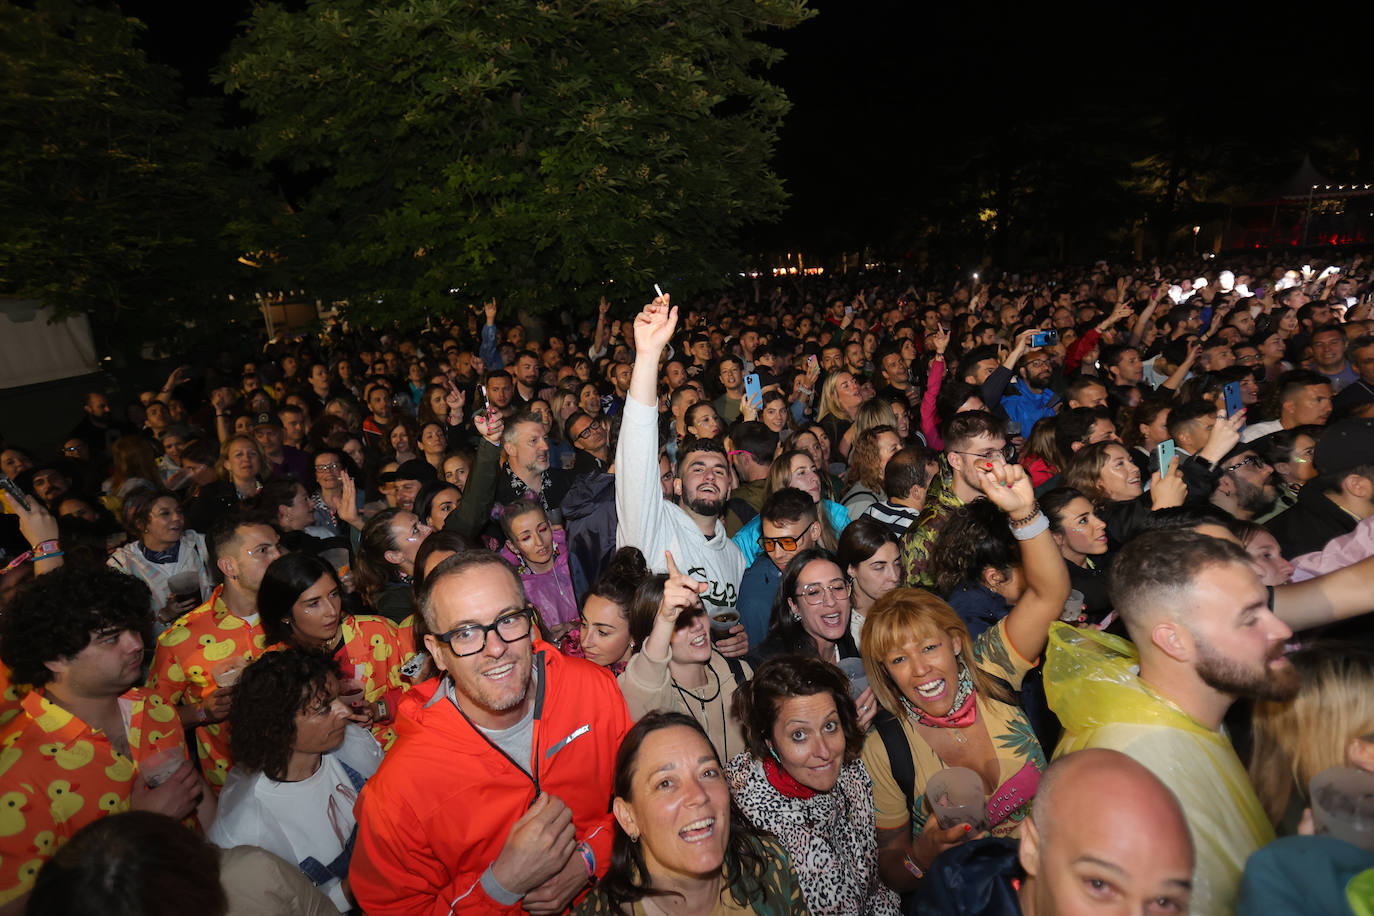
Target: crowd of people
(1037, 594)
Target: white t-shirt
(649, 522)
(310, 819)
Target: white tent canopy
(34, 348)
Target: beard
(1264, 683)
(706, 505)
(1256, 500)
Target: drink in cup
(159, 766)
(185, 586)
(226, 673)
(853, 669)
(956, 796)
(1343, 805)
(353, 693)
(722, 619)
(337, 557)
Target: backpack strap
(898, 757)
(736, 671)
(743, 511)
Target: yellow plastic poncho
(1092, 683)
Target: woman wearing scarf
(950, 696)
(163, 550)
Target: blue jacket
(1025, 406)
(756, 592)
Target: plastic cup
(1343, 805)
(159, 766)
(337, 557)
(185, 586)
(853, 669)
(1073, 607)
(723, 619)
(956, 796)
(226, 673)
(352, 693)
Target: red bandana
(779, 779)
(963, 717)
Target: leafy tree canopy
(116, 199)
(530, 150)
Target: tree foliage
(115, 195)
(530, 150)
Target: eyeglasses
(816, 594)
(771, 544)
(1256, 460)
(586, 431)
(263, 550)
(471, 638)
(326, 468)
(1005, 453)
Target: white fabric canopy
(32, 350)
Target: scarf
(779, 779)
(962, 713)
(160, 556)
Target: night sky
(890, 96)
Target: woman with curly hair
(802, 781)
(300, 759)
(867, 462)
(977, 566)
(300, 605)
(669, 787)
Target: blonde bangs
(902, 616)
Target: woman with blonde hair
(945, 696)
(794, 468)
(1329, 723)
(240, 466)
(840, 401)
(871, 413)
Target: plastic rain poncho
(1092, 683)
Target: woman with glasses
(386, 562)
(802, 781)
(945, 693)
(676, 667)
(300, 605)
(331, 466)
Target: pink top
(1338, 553)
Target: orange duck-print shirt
(190, 654)
(57, 774)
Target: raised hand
(348, 502)
(490, 308)
(490, 425)
(1167, 489)
(1007, 486)
(680, 592)
(654, 325)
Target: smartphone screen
(1164, 453)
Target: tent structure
(1307, 208)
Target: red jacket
(438, 811)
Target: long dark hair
(282, 584)
(627, 876)
(788, 627)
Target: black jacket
(1310, 523)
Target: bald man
(1133, 855)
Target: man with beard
(1031, 400)
(533, 733)
(896, 374)
(527, 474)
(1248, 486)
(1204, 635)
(692, 530)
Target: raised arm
(1047, 575)
(1335, 596)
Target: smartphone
(811, 361)
(17, 495)
(483, 389)
(1045, 339)
(415, 665)
(1232, 395)
(752, 391)
(1164, 454)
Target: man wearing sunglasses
(788, 525)
(496, 794)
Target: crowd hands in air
(780, 602)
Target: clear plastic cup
(1073, 607)
(956, 796)
(159, 766)
(853, 669)
(352, 692)
(1343, 805)
(337, 557)
(227, 672)
(185, 585)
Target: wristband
(45, 546)
(588, 859)
(201, 717)
(1038, 526)
(46, 556)
(913, 867)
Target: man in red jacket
(496, 795)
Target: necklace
(686, 693)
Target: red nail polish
(989, 465)
(967, 828)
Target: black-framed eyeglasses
(1006, 453)
(586, 431)
(816, 593)
(471, 638)
(1256, 460)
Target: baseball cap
(415, 469)
(266, 419)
